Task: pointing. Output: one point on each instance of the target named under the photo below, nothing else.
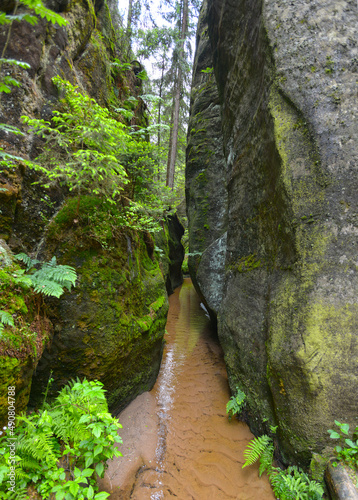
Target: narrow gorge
(94, 231)
(271, 196)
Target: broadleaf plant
(61, 449)
(347, 448)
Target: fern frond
(40, 447)
(266, 459)
(30, 263)
(46, 287)
(235, 403)
(294, 484)
(21, 280)
(255, 448)
(6, 318)
(62, 274)
(280, 487)
(20, 494)
(315, 490)
(67, 427)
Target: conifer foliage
(89, 150)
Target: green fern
(51, 279)
(27, 260)
(5, 319)
(235, 403)
(266, 459)
(294, 484)
(255, 449)
(289, 484)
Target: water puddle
(177, 440)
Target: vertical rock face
(206, 192)
(286, 75)
(111, 326)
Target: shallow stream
(177, 440)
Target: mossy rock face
(15, 373)
(21, 345)
(111, 326)
(81, 52)
(289, 313)
(206, 173)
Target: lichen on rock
(285, 75)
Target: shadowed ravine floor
(177, 440)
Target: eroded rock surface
(111, 326)
(286, 75)
(206, 192)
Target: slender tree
(178, 85)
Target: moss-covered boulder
(111, 326)
(23, 341)
(286, 77)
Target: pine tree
(178, 58)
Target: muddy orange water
(177, 440)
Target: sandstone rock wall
(206, 192)
(286, 75)
(111, 326)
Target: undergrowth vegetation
(61, 449)
(88, 150)
(347, 448)
(235, 403)
(20, 287)
(289, 484)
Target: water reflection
(183, 332)
(199, 454)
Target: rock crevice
(284, 77)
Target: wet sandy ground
(177, 440)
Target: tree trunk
(129, 22)
(178, 83)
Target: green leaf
(74, 487)
(333, 434)
(101, 496)
(100, 469)
(60, 495)
(15, 62)
(351, 443)
(87, 472)
(344, 428)
(6, 318)
(77, 472)
(90, 492)
(98, 449)
(11, 129)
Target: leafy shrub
(347, 449)
(289, 484)
(88, 149)
(235, 403)
(62, 448)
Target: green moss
(248, 263)
(112, 325)
(299, 155)
(18, 347)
